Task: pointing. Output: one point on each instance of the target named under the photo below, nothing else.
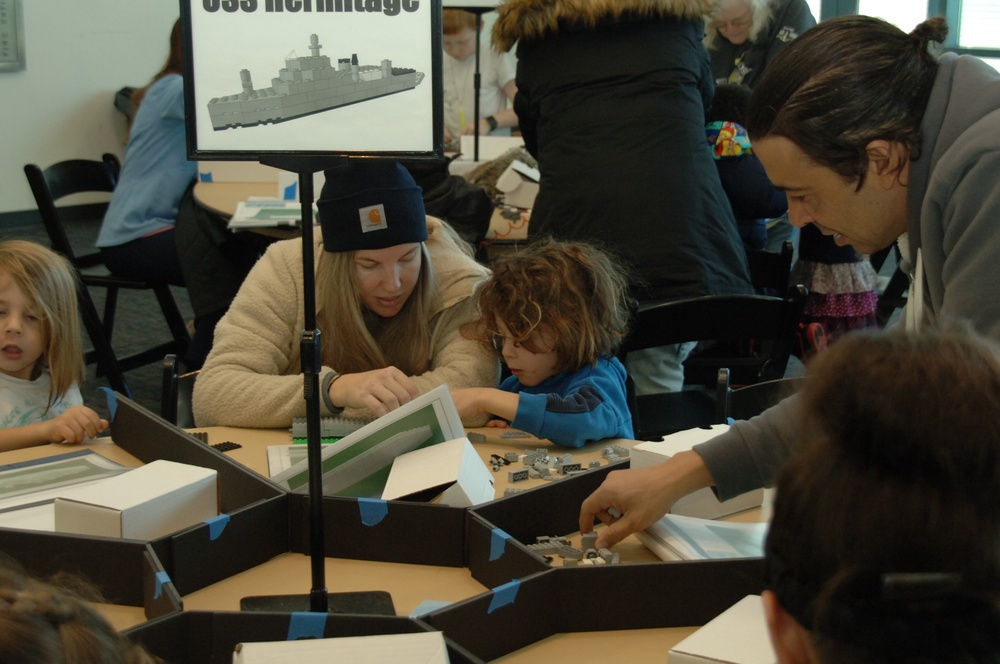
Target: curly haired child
(555, 312)
(41, 356)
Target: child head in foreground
(885, 541)
(43, 623)
(553, 307)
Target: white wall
(78, 53)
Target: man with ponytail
(876, 139)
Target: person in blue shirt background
(556, 312)
(137, 235)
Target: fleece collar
(533, 19)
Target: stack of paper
(676, 537)
(267, 213)
(737, 636)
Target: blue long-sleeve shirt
(572, 408)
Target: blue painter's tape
(161, 579)
(112, 398)
(498, 543)
(306, 625)
(427, 606)
(289, 193)
(504, 595)
(730, 421)
(216, 525)
(372, 510)
(205, 176)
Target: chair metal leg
(175, 320)
(110, 307)
(107, 361)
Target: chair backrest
(749, 401)
(770, 271)
(176, 404)
(752, 335)
(62, 179)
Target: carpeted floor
(139, 323)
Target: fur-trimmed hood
(532, 19)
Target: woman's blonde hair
(362, 341)
(49, 284)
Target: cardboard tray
(583, 599)
(201, 637)
(253, 524)
(383, 530)
(124, 572)
(499, 530)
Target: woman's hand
(74, 426)
(380, 390)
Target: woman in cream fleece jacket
(252, 377)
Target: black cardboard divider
(159, 593)
(494, 559)
(489, 627)
(257, 528)
(414, 533)
(585, 598)
(124, 572)
(201, 637)
(552, 509)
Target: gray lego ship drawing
(309, 85)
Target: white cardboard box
(737, 636)
(701, 503)
(419, 648)
(451, 469)
(519, 184)
(148, 502)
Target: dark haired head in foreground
(885, 542)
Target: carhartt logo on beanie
(370, 204)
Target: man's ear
(789, 639)
(887, 160)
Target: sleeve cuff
(325, 392)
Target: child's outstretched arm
(473, 402)
(73, 426)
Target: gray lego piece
(515, 433)
(330, 427)
(517, 475)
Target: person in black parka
(611, 102)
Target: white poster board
(312, 77)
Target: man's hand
(632, 500)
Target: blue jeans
(660, 369)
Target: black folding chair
(77, 176)
(750, 335)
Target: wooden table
(409, 585)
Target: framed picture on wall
(312, 78)
(12, 56)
